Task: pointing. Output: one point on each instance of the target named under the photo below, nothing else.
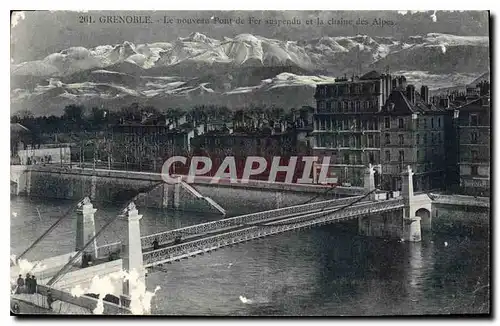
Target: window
(358, 106)
(217, 141)
(418, 139)
(473, 120)
(418, 155)
(387, 139)
(401, 156)
(321, 105)
(418, 123)
(370, 140)
(432, 138)
(387, 156)
(425, 139)
(346, 158)
(329, 105)
(387, 121)
(473, 137)
(371, 158)
(400, 124)
(474, 155)
(346, 141)
(372, 124)
(473, 170)
(432, 122)
(439, 122)
(425, 123)
(401, 140)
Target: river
(322, 271)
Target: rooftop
(403, 105)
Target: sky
(36, 34)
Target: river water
(323, 271)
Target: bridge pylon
(369, 181)
(411, 224)
(85, 227)
(132, 252)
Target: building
(378, 119)
(474, 137)
(346, 126)
(146, 147)
(412, 133)
(261, 137)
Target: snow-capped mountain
(247, 68)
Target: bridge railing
(109, 249)
(221, 240)
(170, 235)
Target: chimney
(402, 82)
(444, 102)
(424, 93)
(410, 93)
(395, 83)
(388, 90)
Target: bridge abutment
(85, 228)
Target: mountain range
(237, 72)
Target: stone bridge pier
(406, 223)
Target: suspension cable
(123, 211)
(327, 213)
(332, 187)
(50, 229)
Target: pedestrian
(89, 259)
(50, 300)
(20, 284)
(85, 261)
(34, 284)
(27, 283)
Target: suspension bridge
(377, 213)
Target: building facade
(378, 119)
(474, 127)
(412, 133)
(346, 127)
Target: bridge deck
(168, 237)
(206, 243)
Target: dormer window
(391, 107)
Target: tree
(131, 112)
(73, 113)
(97, 117)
